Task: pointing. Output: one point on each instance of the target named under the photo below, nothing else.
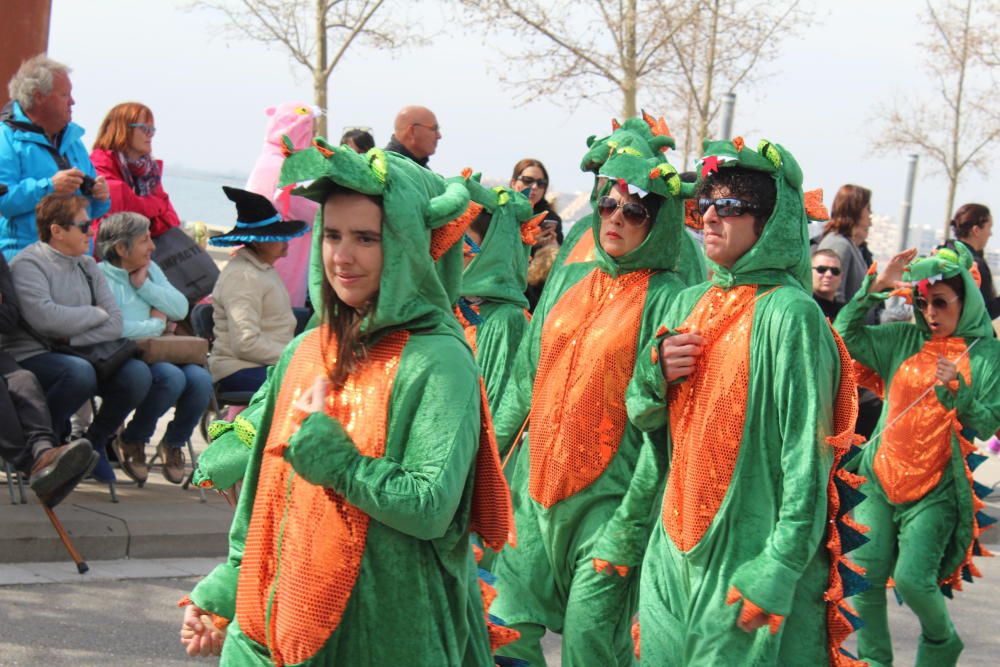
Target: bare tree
(955, 126)
(317, 33)
(582, 51)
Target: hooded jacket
(26, 168)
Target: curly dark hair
(756, 187)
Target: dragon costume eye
(767, 149)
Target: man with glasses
(415, 134)
(825, 280)
(41, 152)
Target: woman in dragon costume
(567, 388)
(350, 540)
(942, 380)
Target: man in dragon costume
(567, 388)
(361, 489)
(752, 403)
(942, 380)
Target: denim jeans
(70, 381)
(186, 388)
(248, 379)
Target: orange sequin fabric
(916, 443)
(305, 542)
(492, 513)
(707, 413)
(587, 355)
(583, 251)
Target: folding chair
(203, 323)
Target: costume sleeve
(874, 346)
(216, 593)
(418, 494)
(624, 538)
(646, 394)
(40, 310)
(978, 404)
(806, 373)
(160, 294)
(497, 341)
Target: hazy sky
(208, 91)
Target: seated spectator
(826, 280)
(148, 303)
(65, 298)
(253, 312)
(123, 155)
(360, 141)
(27, 441)
(41, 152)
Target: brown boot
(132, 457)
(56, 467)
(173, 462)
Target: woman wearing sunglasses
(123, 154)
(942, 387)
(532, 178)
(567, 390)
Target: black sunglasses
(529, 181)
(726, 207)
(82, 226)
(634, 213)
(939, 303)
(835, 270)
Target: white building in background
(886, 234)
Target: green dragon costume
(752, 440)
(649, 137)
(350, 540)
(923, 506)
(568, 387)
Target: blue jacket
(26, 168)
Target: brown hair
(57, 210)
(968, 216)
(114, 132)
(847, 207)
(532, 162)
(345, 321)
(826, 252)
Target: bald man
(415, 134)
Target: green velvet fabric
(939, 525)
(224, 462)
(416, 599)
(548, 579)
(766, 539)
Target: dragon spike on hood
(647, 137)
(415, 201)
(948, 263)
(781, 254)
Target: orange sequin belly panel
(916, 443)
(583, 251)
(707, 414)
(587, 356)
(305, 542)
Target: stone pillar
(26, 33)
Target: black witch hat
(257, 221)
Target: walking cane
(81, 565)
(515, 444)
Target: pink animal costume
(295, 120)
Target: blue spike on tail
(970, 433)
(976, 549)
(851, 452)
(946, 591)
(853, 582)
(487, 576)
(899, 598)
(504, 661)
(467, 311)
(855, 620)
(966, 573)
(974, 460)
(850, 539)
(981, 490)
(984, 519)
(849, 496)
(850, 655)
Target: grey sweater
(55, 300)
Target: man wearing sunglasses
(825, 281)
(415, 134)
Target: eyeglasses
(835, 270)
(433, 128)
(529, 181)
(939, 303)
(149, 130)
(727, 207)
(634, 213)
(84, 226)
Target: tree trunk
(705, 107)
(629, 83)
(320, 74)
(955, 170)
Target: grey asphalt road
(135, 622)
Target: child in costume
(350, 540)
(942, 380)
(568, 388)
(744, 374)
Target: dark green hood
(662, 246)
(781, 254)
(947, 263)
(635, 133)
(415, 202)
(499, 271)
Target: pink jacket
(155, 206)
